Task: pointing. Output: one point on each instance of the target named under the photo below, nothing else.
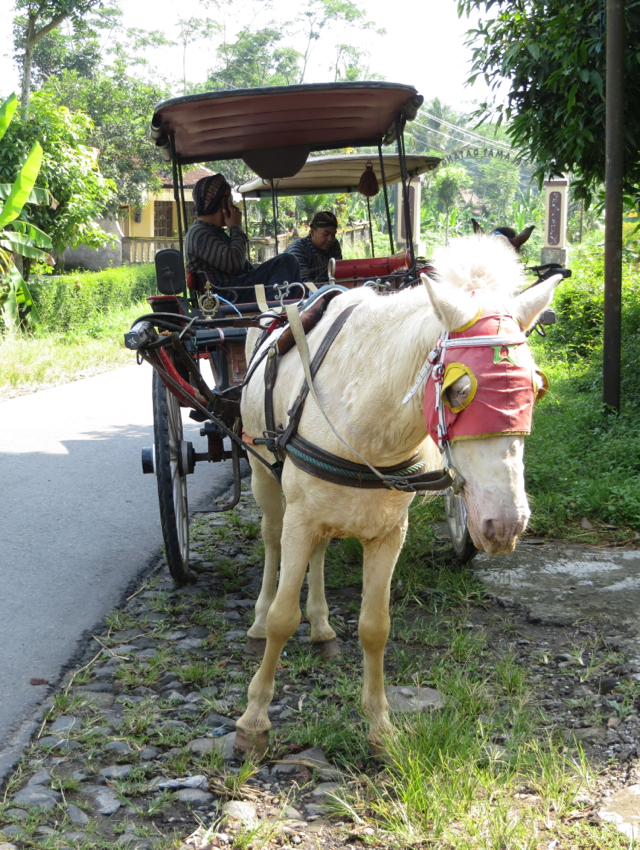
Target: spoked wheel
(456, 512)
(173, 462)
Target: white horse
(361, 384)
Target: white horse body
(363, 379)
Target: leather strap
(310, 370)
(261, 297)
(329, 467)
(405, 476)
(270, 375)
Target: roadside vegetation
(83, 317)
(583, 462)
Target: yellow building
(155, 226)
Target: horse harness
(285, 441)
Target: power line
(462, 130)
(444, 150)
(474, 140)
(439, 132)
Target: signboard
(555, 218)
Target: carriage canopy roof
(274, 129)
(338, 173)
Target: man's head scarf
(208, 193)
(324, 219)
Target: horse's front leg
(323, 637)
(283, 619)
(268, 495)
(380, 558)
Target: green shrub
(78, 302)
(579, 303)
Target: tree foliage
(119, 104)
(38, 18)
(552, 55)
(58, 52)
(17, 235)
(78, 191)
(256, 59)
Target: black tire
(172, 480)
(456, 514)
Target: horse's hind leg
(268, 495)
(283, 619)
(323, 637)
(380, 558)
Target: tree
(120, 105)
(58, 52)
(255, 59)
(351, 64)
(190, 31)
(551, 53)
(38, 18)
(317, 16)
(443, 195)
(79, 193)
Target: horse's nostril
(488, 529)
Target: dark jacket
(210, 248)
(313, 263)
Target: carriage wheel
(171, 467)
(456, 513)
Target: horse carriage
(335, 420)
(273, 130)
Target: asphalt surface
(79, 524)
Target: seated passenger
(314, 251)
(222, 255)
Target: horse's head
(488, 391)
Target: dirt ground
(167, 677)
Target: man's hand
(232, 216)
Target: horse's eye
(459, 391)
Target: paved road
(78, 523)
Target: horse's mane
(479, 262)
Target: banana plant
(18, 236)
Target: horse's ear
(453, 307)
(529, 304)
(477, 227)
(519, 240)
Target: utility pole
(613, 203)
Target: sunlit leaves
(22, 187)
(6, 113)
(552, 57)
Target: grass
(27, 362)
(483, 772)
(84, 317)
(583, 462)
(489, 770)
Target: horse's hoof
(255, 647)
(379, 751)
(250, 744)
(326, 648)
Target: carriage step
(148, 460)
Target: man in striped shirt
(314, 251)
(223, 256)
